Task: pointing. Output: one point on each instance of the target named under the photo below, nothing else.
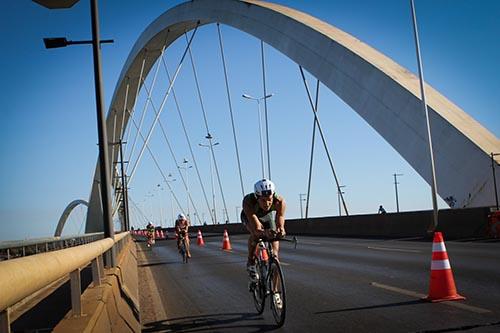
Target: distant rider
(150, 233)
(181, 229)
(262, 210)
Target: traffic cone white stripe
(438, 247)
(440, 264)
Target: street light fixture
(247, 96)
(210, 147)
(339, 192)
(396, 188)
(101, 117)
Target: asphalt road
(333, 285)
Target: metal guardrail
(22, 248)
(21, 277)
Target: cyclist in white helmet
(262, 210)
(181, 228)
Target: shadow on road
(210, 322)
(374, 307)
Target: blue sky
(48, 131)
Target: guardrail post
(5, 321)
(96, 272)
(8, 254)
(100, 261)
(76, 291)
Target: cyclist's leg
(188, 251)
(252, 240)
(269, 222)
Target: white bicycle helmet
(264, 187)
(181, 217)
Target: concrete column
(5, 321)
(76, 290)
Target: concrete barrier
(454, 223)
(112, 306)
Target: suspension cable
(312, 151)
(265, 107)
(162, 105)
(175, 160)
(316, 119)
(136, 96)
(230, 108)
(145, 108)
(157, 165)
(189, 143)
(209, 137)
(124, 108)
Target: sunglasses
(265, 193)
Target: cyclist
(181, 228)
(150, 233)
(262, 210)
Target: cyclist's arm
(280, 215)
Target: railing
(22, 248)
(21, 277)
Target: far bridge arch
(64, 216)
(382, 92)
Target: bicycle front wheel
(278, 294)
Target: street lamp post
(210, 147)
(170, 179)
(260, 129)
(339, 192)
(494, 177)
(101, 117)
(237, 213)
(396, 189)
(301, 199)
(186, 167)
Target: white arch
(64, 216)
(382, 92)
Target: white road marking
(284, 263)
(418, 295)
(393, 249)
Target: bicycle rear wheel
(278, 293)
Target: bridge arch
(383, 93)
(64, 217)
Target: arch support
(382, 92)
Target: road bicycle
(150, 239)
(270, 283)
(183, 248)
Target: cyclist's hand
(280, 232)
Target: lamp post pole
(170, 179)
(339, 192)
(396, 189)
(301, 199)
(101, 117)
(186, 167)
(210, 147)
(260, 129)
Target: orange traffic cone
(442, 285)
(226, 245)
(163, 235)
(157, 234)
(200, 241)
